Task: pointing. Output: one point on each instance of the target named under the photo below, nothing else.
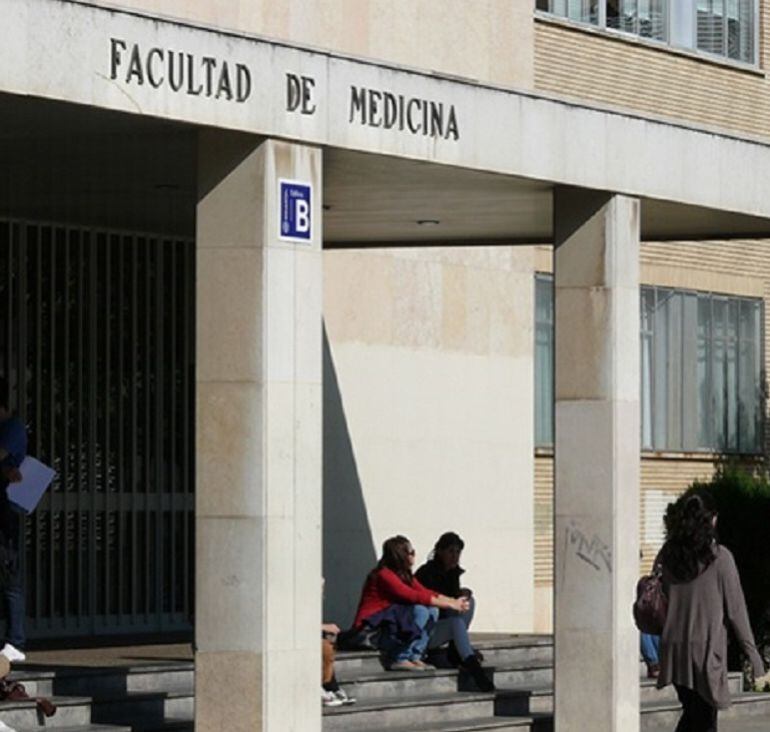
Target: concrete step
(523, 673)
(521, 679)
(750, 712)
(145, 710)
(70, 712)
(387, 684)
(747, 706)
(394, 713)
(82, 728)
(400, 684)
(497, 650)
(486, 724)
(526, 700)
(348, 663)
(172, 724)
(137, 710)
(515, 649)
(104, 681)
(749, 724)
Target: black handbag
(359, 639)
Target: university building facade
(281, 282)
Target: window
(701, 371)
(725, 28)
(646, 18)
(584, 11)
(543, 360)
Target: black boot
(452, 655)
(474, 668)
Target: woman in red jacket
(404, 611)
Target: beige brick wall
(543, 520)
(669, 476)
(599, 67)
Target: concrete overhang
(546, 141)
(65, 162)
(376, 200)
(492, 181)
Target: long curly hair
(690, 536)
(395, 556)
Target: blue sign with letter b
(295, 219)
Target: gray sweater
(693, 647)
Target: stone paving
(735, 725)
(746, 725)
(112, 656)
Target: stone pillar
(258, 442)
(596, 503)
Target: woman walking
(704, 598)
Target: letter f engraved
(115, 47)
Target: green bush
(742, 499)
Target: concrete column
(596, 504)
(258, 442)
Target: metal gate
(96, 341)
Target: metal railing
(97, 341)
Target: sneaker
(12, 653)
(343, 697)
(404, 666)
(329, 698)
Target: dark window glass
(701, 382)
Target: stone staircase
(444, 700)
(150, 697)
(157, 696)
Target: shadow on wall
(348, 551)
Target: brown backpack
(651, 604)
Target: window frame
(725, 55)
(544, 277)
(714, 340)
(692, 415)
(671, 32)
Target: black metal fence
(97, 341)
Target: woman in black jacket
(441, 573)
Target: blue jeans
(453, 626)
(12, 538)
(424, 619)
(13, 602)
(650, 645)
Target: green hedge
(742, 499)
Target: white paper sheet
(35, 478)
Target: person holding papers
(13, 450)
